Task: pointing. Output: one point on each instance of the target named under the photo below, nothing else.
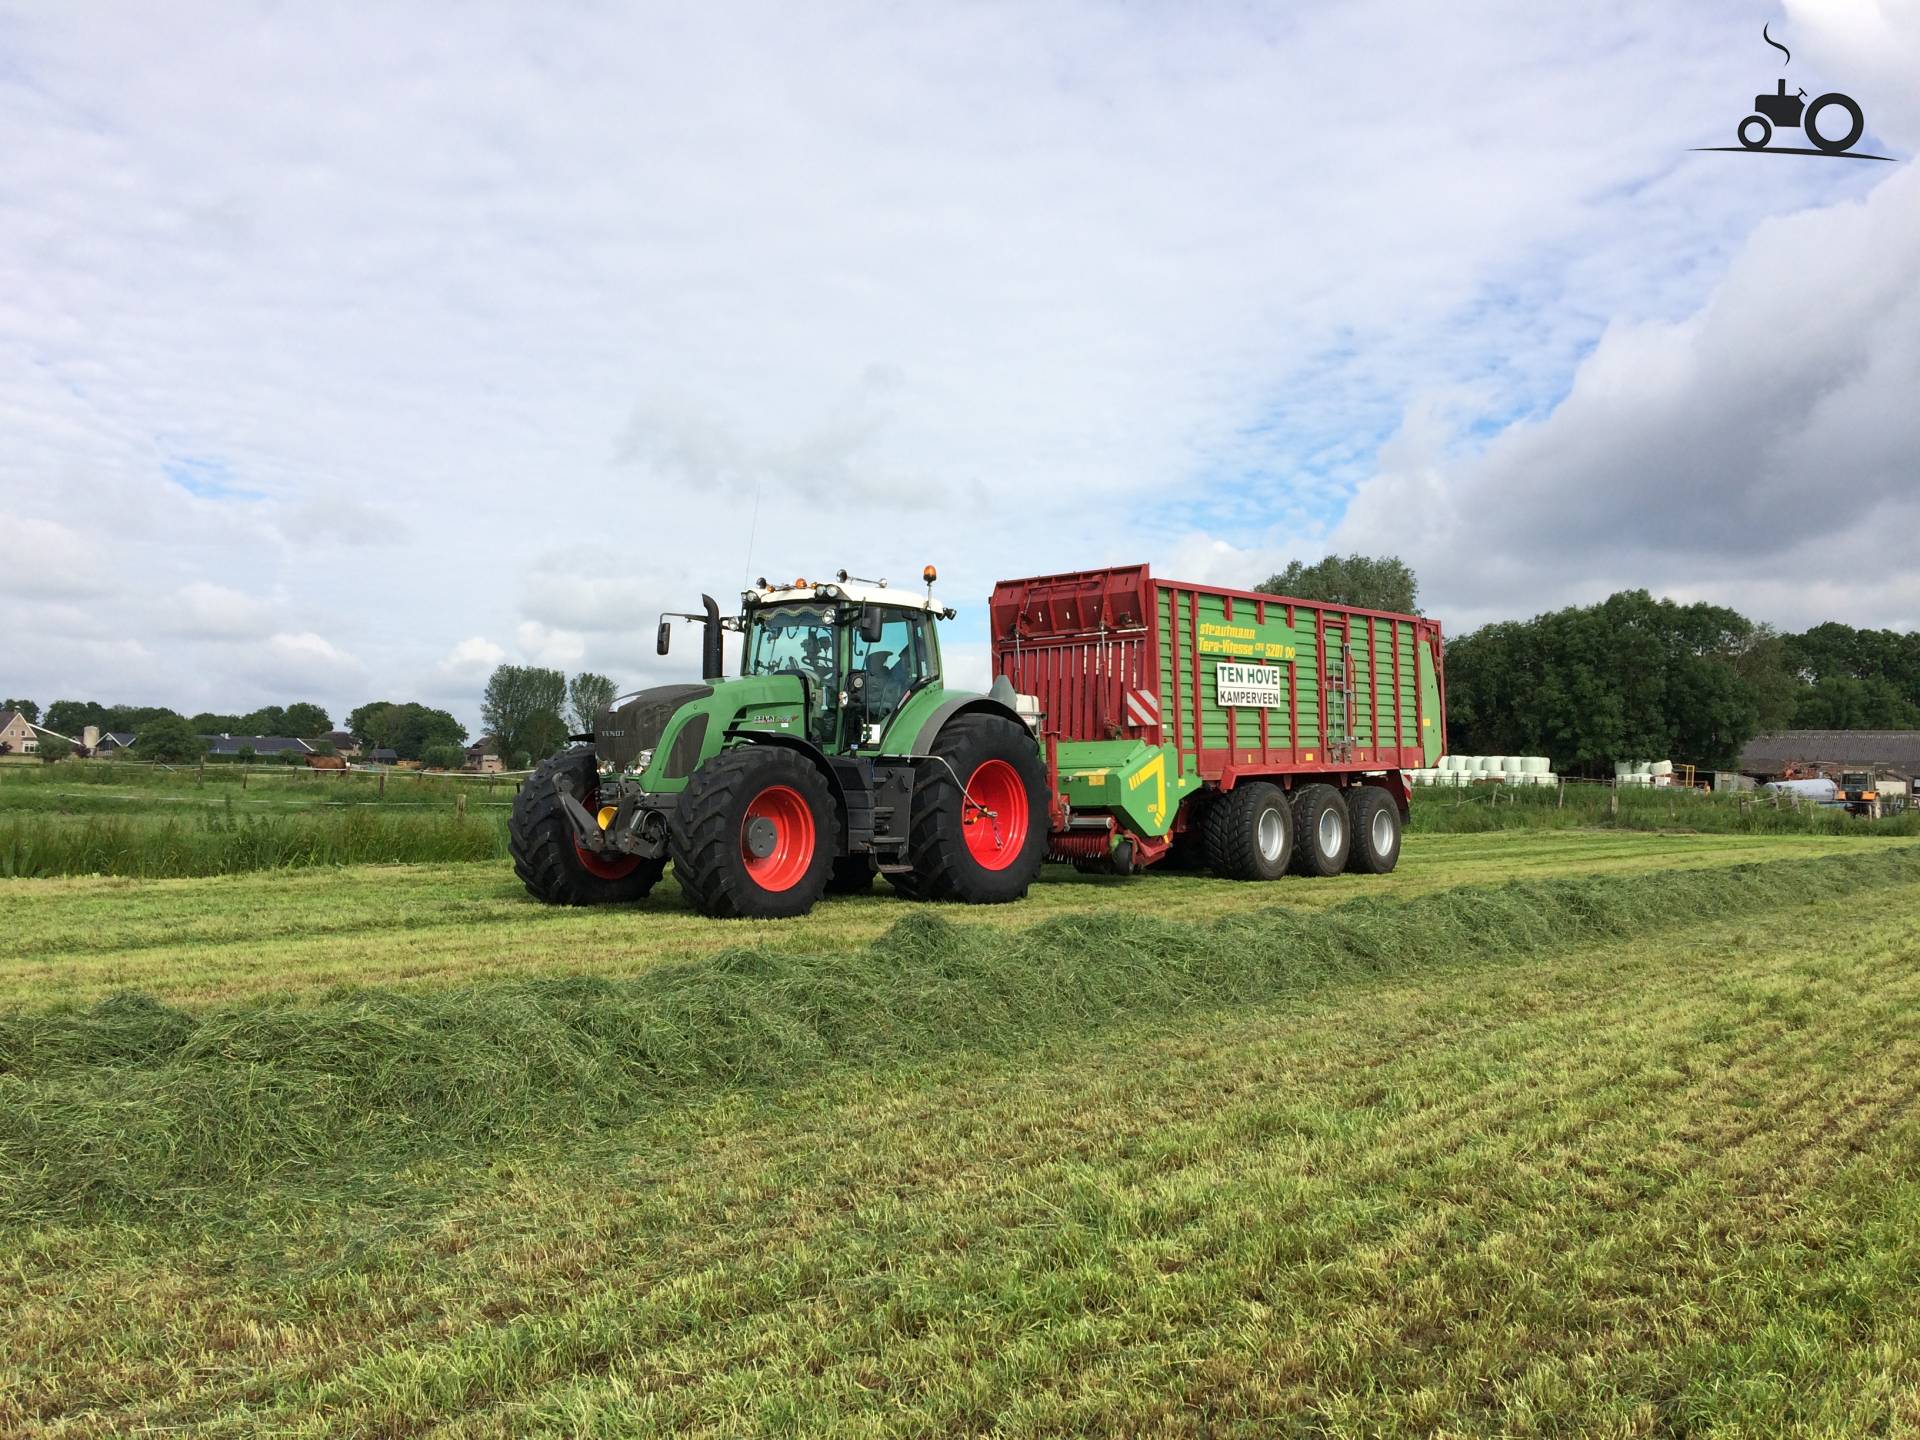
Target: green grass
(1479, 808)
(1613, 1155)
(131, 1103)
(137, 820)
(202, 941)
(216, 843)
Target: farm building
(345, 743)
(382, 755)
(112, 742)
(483, 756)
(259, 744)
(16, 735)
(1808, 752)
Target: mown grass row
(221, 843)
(1484, 808)
(131, 1105)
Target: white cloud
(205, 611)
(1759, 452)
(471, 661)
(301, 664)
(536, 325)
(545, 645)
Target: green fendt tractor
(836, 754)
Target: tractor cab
(859, 648)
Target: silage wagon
(1131, 721)
(1253, 733)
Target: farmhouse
(16, 735)
(1801, 752)
(345, 743)
(483, 756)
(112, 742)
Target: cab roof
(856, 592)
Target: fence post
(1561, 802)
(383, 784)
(460, 805)
(243, 777)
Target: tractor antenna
(753, 527)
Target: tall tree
(521, 709)
(169, 740)
(1382, 582)
(25, 707)
(1631, 678)
(70, 717)
(407, 728)
(587, 695)
(305, 719)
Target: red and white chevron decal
(1143, 709)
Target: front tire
(541, 840)
(1376, 830)
(982, 844)
(1760, 129)
(1249, 833)
(755, 835)
(1322, 831)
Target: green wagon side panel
(1433, 739)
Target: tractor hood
(622, 731)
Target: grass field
(1549, 1133)
(149, 822)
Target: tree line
(529, 712)
(1635, 678)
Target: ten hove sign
(1247, 686)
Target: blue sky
(344, 353)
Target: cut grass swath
(132, 1105)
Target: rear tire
(1249, 833)
(1322, 831)
(755, 835)
(1376, 830)
(958, 851)
(541, 841)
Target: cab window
(902, 656)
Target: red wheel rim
(791, 852)
(615, 866)
(994, 815)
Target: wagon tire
(1249, 833)
(540, 839)
(986, 846)
(1376, 830)
(1322, 831)
(755, 835)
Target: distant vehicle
(1871, 795)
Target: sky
(349, 351)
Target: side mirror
(663, 642)
(871, 624)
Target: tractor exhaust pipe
(712, 665)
